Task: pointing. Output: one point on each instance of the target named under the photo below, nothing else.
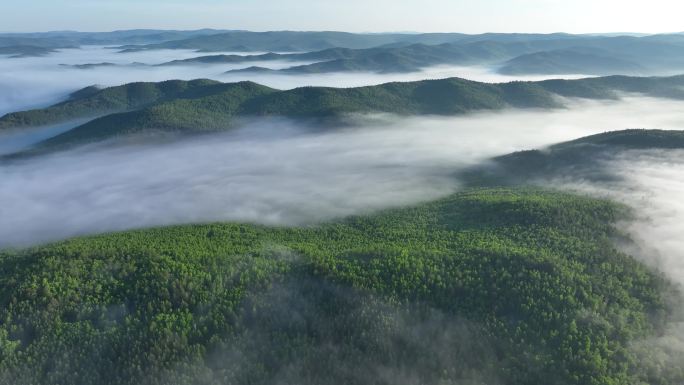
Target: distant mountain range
(30, 44)
(507, 54)
(293, 41)
(516, 54)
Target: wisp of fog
(282, 172)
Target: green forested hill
(194, 111)
(92, 101)
(582, 158)
(394, 97)
(204, 105)
(505, 286)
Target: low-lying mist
(282, 172)
(40, 81)
(17, 140)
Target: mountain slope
(582, 158)
(218, 111)
(505, 286)
(193, 112)
(92, 101)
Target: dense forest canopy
(479, 276)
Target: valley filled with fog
(283, 172)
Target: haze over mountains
(234, 207)
(518, 54)
(514, 53)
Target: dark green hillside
(443, 97)
(581, 158)
(91, 101)
(506, 286)
(204, 105)
(217, 111)
(194, 111)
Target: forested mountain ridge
(93, 101)
(205, 105)
(481, 276)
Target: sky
(469, 16)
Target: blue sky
(576, 16)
